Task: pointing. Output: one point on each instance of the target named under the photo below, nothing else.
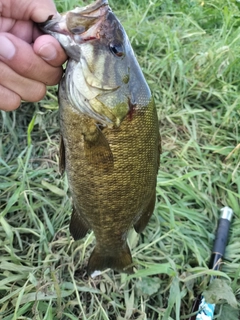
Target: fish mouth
(81, 24)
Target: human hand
(28, 60)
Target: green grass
(189, 52)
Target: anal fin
(143, 220)
(118, 260)
(78, 228)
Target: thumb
(49, 49)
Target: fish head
(103, 78)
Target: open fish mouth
(80, 24)
(102, 79)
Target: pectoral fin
(97, 149)
(61, 156)
(143, 220)
(78, 228)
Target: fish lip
(91, 8)
(95, 12)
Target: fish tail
(120, 260)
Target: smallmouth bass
(110, 147)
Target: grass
(189, 52)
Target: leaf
(13, 199)
(219, 291)
(5, 265)
(41, 296)
(30, 128)
(148, 286)
(229, 312)
(6, 227)
(152, 269)
(174, 299)
(53, 188)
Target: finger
(20, 57)
(27, 89)
(40, 11)
(25, 30)
(9, 100)
(35, 10)
(49, 49)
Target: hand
(28, 60)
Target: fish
(110, 142)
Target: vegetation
(189, 52)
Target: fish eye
(117, 49)
(78, 30)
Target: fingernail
(7, 49)
(47, 52)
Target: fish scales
(108, 194)
(110, 145)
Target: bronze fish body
(110, 145)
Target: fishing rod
(205, 311)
